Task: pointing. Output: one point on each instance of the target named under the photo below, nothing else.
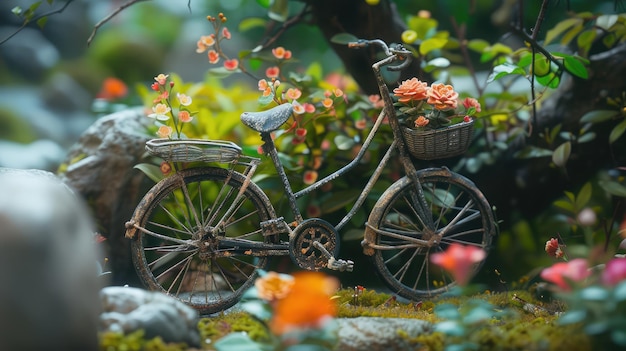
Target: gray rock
(41, 154)
(126, 309)
(373, 333)
(49, 285)
(101, 168)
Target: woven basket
(439, 143)
(190, 150)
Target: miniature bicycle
(203, 233)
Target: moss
(214, 328)
(520, 328)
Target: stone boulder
(127, 309)
(379, 334)
(48, 271)
(100, 167)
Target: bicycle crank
(315, 244)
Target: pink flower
(471, 102)
(562, 272)
(231, 64)
(294, 93)
(376, 101)
(467, 119)
(614, 272)
(308, 108)
(272, 72)
(225, 33)
(161, 78)
(281, 53)
(164, 131)
(297, 108)
(328, 102)
(459, 261)
(421, 121)
(184, 116)
(214, 57)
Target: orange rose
(421, 121)
(411, 90)
(442, 97)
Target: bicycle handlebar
(390, 50)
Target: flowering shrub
(421, 106)
(595, 297)
(169, 117)
(297, 310)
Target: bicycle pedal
(274, 226)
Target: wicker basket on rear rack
(192, 150)
(439, 143)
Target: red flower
(231, 64)
(272, 72)
(553, 248)
(459, 260)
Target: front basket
(190, 150)
(439, 143)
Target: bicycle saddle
(267, 121)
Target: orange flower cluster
(432, 106)
(301, 302)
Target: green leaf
(431, 44)
(343, 38)
(42, 22)
(606, 21)
(493, 51)
(152, 171)
(584, 195)
(585, 39)
(264, 3)
(477, 45)
(17, 10)
(503, 70)
(594, 293)
(251, 22)
(279, 10)
(617, 131)
(551, 80)
(221, 72)
(575, 67)
(619, 292)
(343, 142)
(597, 116)
(561, 154)
(571, 34)
(560, 28)
(572, 316)
(565, 205)
(613, 187)
(533, 152)
(237, 341)
(266, 100)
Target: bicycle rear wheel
(172, 250)
(458, 213)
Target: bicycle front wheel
(453, 210)
(173, 251)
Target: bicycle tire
(166, 220)
(407, 270)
